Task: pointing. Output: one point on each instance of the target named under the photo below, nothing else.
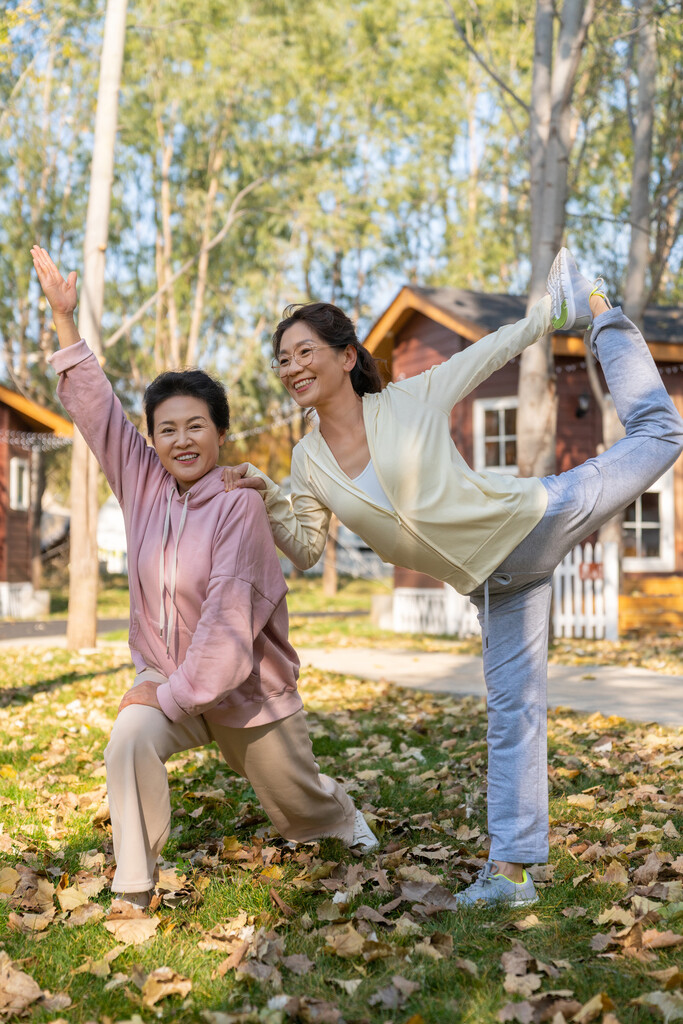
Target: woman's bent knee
(135, 732)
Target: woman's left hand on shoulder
(144, 693)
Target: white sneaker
(570, 292)
(363, 836)
(490, 886)
(135, 899)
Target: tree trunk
(215, 162)
(167, 246)
(635, 293)
(536, 411)
(330, 580)
(83, 568)
(552, 138)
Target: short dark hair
(333, 326)
(195, 383)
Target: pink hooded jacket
(207, 595)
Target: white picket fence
(585, 600)
(438, 610)
(586, 593)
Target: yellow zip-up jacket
(448, 521)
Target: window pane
(491, 423)
(650, 505)
(510, 421)
(650, 544)
(492, 453)
(630, 513)
(510, 453)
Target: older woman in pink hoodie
(208, 618)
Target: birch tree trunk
(215, 163)
(551, 140)
(83, 567)
(635, 291)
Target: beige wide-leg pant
(277, 759)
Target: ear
(221, 438)
(350, 357)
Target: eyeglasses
(302, 355)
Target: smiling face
(186, 439)
(326, 373)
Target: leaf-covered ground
(248, 928)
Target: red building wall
(15, 548)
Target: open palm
(61, 294)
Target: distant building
(111, 538)
(25, 428)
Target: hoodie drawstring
(164, 539)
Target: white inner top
(368, 482)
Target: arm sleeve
(447, 383)
(299, 522)
(245, 587)
(86, 394)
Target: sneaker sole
(481, 902)
(562, 298)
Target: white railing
(586, 593)
(438, 610)
(585, 600)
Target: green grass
(416, 763)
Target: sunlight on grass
(416, 763)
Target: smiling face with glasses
(312, 370)
(301, 356)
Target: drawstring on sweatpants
(505, 579)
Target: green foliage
(376, 148)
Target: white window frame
(666, 561)
(17, 467)
(480, 407)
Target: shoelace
(598, 289)
(487, 872)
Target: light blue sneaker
(492, 887)
(569, 293)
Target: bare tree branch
(233, 214)
(489, 71)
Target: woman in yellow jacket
(383, 460)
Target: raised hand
(61, 294)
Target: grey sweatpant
(519, 591)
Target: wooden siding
(422, 343)
(4, 492)
(676, 392)
(18, 547)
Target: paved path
(23, 632)
(629, 692)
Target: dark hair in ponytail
(333, 327)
